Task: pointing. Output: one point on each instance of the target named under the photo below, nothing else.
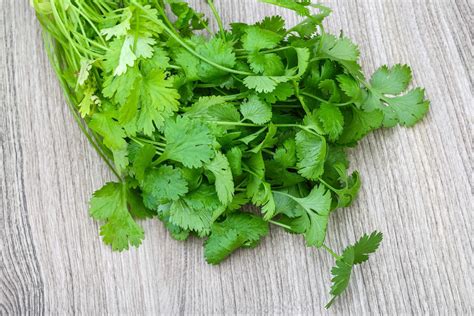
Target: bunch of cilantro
(196, 127)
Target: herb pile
(196, 127)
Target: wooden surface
(417, 189)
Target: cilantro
(352, 255)
(196, 124)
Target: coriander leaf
(405, 110)
(273, 23)
(120, 29)
(366, 245)
(267, 64)
(125, 50)
(299, 7)
(110, 204)
(189, 63)
(303, 54)
(163, 185)
(213, 108)
(393, 80)
(143, 160)
(331, 119)
(187, 141)
(352, 255)
(265, 84)
(281, 93)
(237, 230)
(358, 124)
(194, 211)
(256, 38)
(224, 182)
(350, 87)
(340, 49)
(256, 110)
(104, 125)
(311, 153)
(234, 156)
(137, 207)
(218, 51)
(317, 207)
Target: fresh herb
(197, 127)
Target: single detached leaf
(352, 255)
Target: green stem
(218, 18)
(280, 224)
(235, 124)
(312, 96)
(332, 252)
(298, 96)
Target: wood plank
(417, 189)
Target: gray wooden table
(417, 189)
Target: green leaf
(143, 160)
(391, 80)
(110, 204)
(113, 135)
(299, 7)
(352, 255)
(187, 141)
(237, 230)
(218, 51)
(194, 211)
(407, 110)
(331, 119)
(351, 87)
(339, 49)
(267, 64)
(256, 38)
(366, 245)
(256, 110)
(224, 182)
(264, 84)
(234, 156)
(124, 51)
(358, 124)
(303, 60)
(311, 153)
(163, 185)
(317, 207)
(273, 23)
(386, 84)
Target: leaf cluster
(198, 127)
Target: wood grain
(417, 189)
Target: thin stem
(298, 96)
(280, 224)
(312, 96)
(218, 18)
(235, 124)
(332, 252)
